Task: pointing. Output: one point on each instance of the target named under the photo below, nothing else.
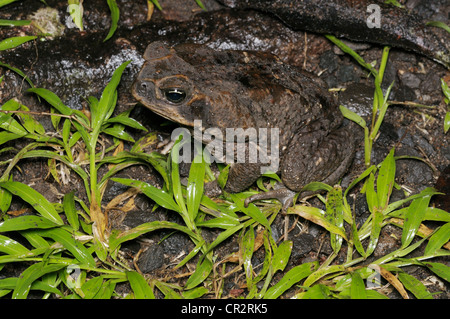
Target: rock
(151, 259)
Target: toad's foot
(284, 195)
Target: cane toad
(250, 90)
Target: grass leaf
(35, 199)
(30, 274)
(140, 286)
(115, 14)
(357, 288)
(414, 285)
(292, 277)
(26, 222)
(439, 238)
(13, 42)
(385, 180)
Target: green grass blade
(52, 99)
(352, 116)
(16, 70)
(108, 99)
(357, 288)
(335, 215)
(70, 210)
(30, 274)
(194, 189)
(11, 247)
(13, 42)
(414, 285)
(281, 256)
(13, 23)
(439, 238)
(78, 250)
(160, 197)
(385, 180)
(140, 286)
(439, 269)
(35, 199)
(115, 14)
(200, 274)
(247, 245)
(413, 217)
(292, 277)
(26, 222)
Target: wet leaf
(247, 245)
(13, 42)
(73, 245)
(11, 247)
(35, 199)
(52, 99)
(30, 274)
(14, 23)
(292, 277)
(413, 217)
(70, 210)
(439, 238)
(194, 189)
(357, 288)
(335, 215)
(316, 292)
(115, 14)
(385, 180)
(140, 286)
(200, 274)
(26, 222)
(160, 197)
(312, 278)
(439, 269)
(281, 256)
(352, 116)
(414, 285)
(316, 216)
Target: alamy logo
(230, 145)
(374, 19)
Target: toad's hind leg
(315, 156)
(311, 156)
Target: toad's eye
(174, 95)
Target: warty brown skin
(238, 89)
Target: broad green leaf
(52, 99)
(127, 121)
(26, 222)
(30, 274)
(13, 42)
(413, 218)
(13, 23)
(35, 199)
(200, 274)
(140, 286)
(160, 197)
(251, 211)
(352, 116)
(91, 287)
(371, 195)
(11, 247)
(281, 256)
(194, 189)
(335, 215)
(115, 14)
(292, 277)
(318, 291)
(357, 288)
(385, 180)
(439, 238)
(312, 278)
(168, 292)
(5, 199)
(439, 269)
(118, 131)
(247, 245)
(316, 216)
(195, 293)
(377, 220)
(73, 245)
(70, 210)
(5, 2)
(414, 285)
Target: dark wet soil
(86, 64)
